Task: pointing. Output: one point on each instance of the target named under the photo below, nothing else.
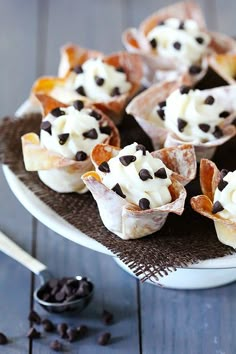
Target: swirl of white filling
(66, 132)
(182, 40)
(227, 197)
(193, 116)
(154, 189)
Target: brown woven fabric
(182, 241)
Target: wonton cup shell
(73, 55)
(225, 66)
(202, 204)
(59, 173)
(135, 41)
(125, 219)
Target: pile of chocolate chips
(65, 290)
(66, 332)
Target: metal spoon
(14, 251)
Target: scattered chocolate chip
(224, 114)
(72, 334)
(80, 90)
(204, 127)
(153, 43)
(161, 113)
(56, 345)
(200, 40)
(107, 317)
(46, 125)
(162, 104)
(48, 326)
(91, 134)
(222, 184)
(3, 339)
(144, 174)
(95, 114)
(127, 159)
(34, 317)
(57, 112)
(177, 45)
(78, 104)
(217, 207)
(84, 289)
(115, 91)
(181, 25)
(105, 129)
(161, 173)
(217, 132)
(181, 124)
(104, 167)
(161, 23)
(63, 138)
(120, 69)
(61, 329)
(81, 156)
(184, 89)
(82, 330)
(117, 189)
(142, 148)
(195, 69)
(99, 80)
(144, 203)
(104, 338)
(33, 333)
(78, 69)
(209, 100)
(223, 173)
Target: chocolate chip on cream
(118, 190)
(46, 125)
(57, 112)
(225, 196)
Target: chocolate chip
(144, 174)
(78, 69)
(46, 125)
(181, 25)
(223, 173)
(104, 338)
(209, 100)
(81, 156)
(127, 159)
(217, 132)
(3, 339)
(63, 138)
(222, 184)
(61, 329)
(204, 127)
(161, 113)
(34, 317)
(33, 333)
(84, 289)
(161, 23)
(144, 203)
(161, 173)
(181, 124)
(48, 326)
(91, 134)
(82, 330)
(105, 130)
(120, 69)
(224, 114)
(162, 104)
(153, 43)
(72, 334)
(78, 104)
(118, 190)
(95, 114)
(177, 45)
(57, 112)
(104, 167)
(80, 90)
(195, 69)
(200, 40)
(115, 91)
(184, 89)
(142, 148)
(99, 80)
(217, 207)
(107, 317)
(56, 345)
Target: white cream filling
(74, 123)
(166, 35)
(155, 189)
(227, 197)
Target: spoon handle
(14, 251)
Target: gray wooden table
(148, 319)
